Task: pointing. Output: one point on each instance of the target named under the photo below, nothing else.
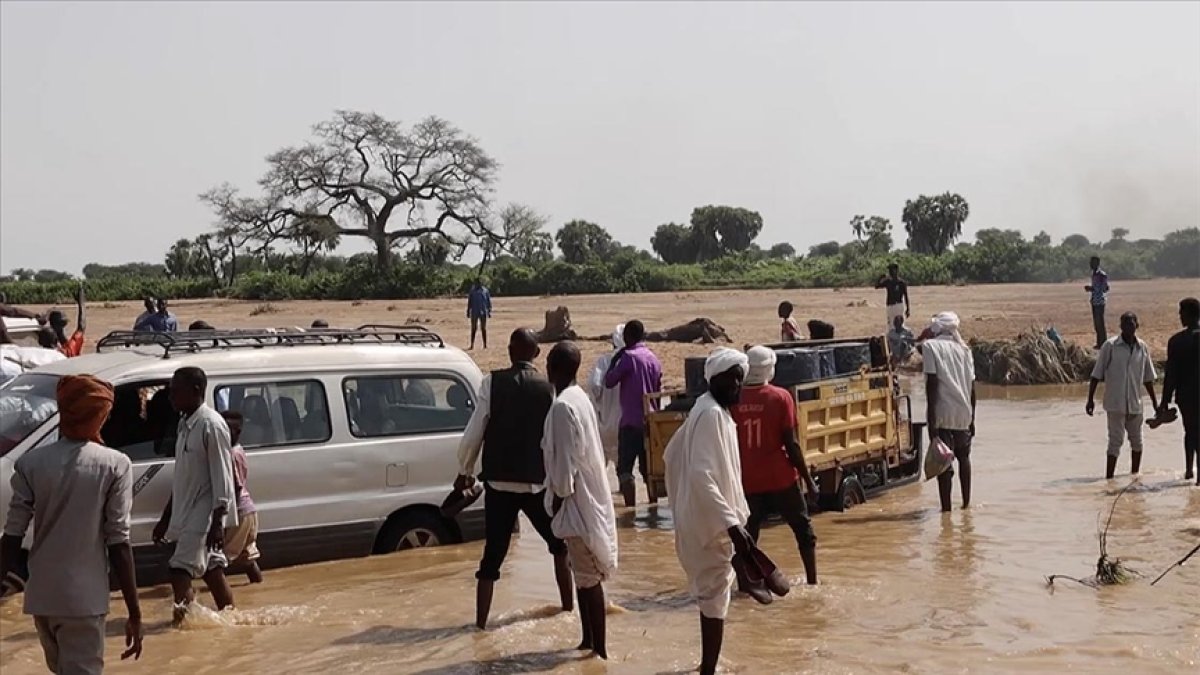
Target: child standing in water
(241, 542)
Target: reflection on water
(904, 588)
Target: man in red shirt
(772, 465)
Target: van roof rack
(193, 342)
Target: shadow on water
(659, 601)
(392, 635)
(902, 517)
(648, 518)
(529, 662)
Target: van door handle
(397, 475)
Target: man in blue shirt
(1099, 290)
(479, 310)
(162, 321)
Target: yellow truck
(854, 426)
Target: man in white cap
(607, 402)
(704, 482)
(772, 464)
(950, 399)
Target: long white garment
(607, 403)
(575, 472)
(704, 483)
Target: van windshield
(25, 403)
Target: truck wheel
(415, 529)
(851, 493)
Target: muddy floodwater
(903, 588)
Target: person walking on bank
(506, 428)
(1098, 289)
(1124, 366)
(637, 371)
(78, 493)
(578, 494)
(479, 310)
(203, 502)
(897, 294)
(950, 400)
(1183, 381)
(704, 479)
(771, 462)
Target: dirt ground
(990, 312)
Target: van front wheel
(416, 529)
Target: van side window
(399, 405)
(277, 413)
(142, 423)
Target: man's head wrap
(762, 365)
(723, 359)
(84, 402)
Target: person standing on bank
(203, 502)
(704, 479)
(506, 428)
(1182, 381)
(578, 494)
(637, 371)
(771, 462)
(897, 294)
(479, 310)
(78, 494)
(1098, 289)
(950, 400)
(1124, 365)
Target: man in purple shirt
(636, 370)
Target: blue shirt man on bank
(479, 310)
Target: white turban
(945, 325)
(762, 365)
(618, 337)
(723, 359)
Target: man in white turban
(772, 464)
(607, 402)
(950, 399)
(704, 482)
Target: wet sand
(903, 587)
(991, 312)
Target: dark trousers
(500, 511)
(788, 503)
(1189, 412)
(1098, 323)
(631, 449)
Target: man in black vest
(507, 425)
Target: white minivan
(351, 435)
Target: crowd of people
(543, 444)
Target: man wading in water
(578, 493)
(1183, 380)
(507, 425)
(704, 479)
(772, 465)
(78, 493)
(950, 400)
(1124, 366)
(203, 502)
(637, 371)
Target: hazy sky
(1073, 117)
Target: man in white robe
(607, 401)
(578, 493)
(704, 483)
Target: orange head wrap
(84, 402)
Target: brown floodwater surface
(903, 587)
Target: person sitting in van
(257, 428)
(241, 541)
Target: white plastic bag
(938, 459)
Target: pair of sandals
(1163, 417)
(759, 577)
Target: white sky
(1073, 117)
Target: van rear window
(28, 401)
(400, 405)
